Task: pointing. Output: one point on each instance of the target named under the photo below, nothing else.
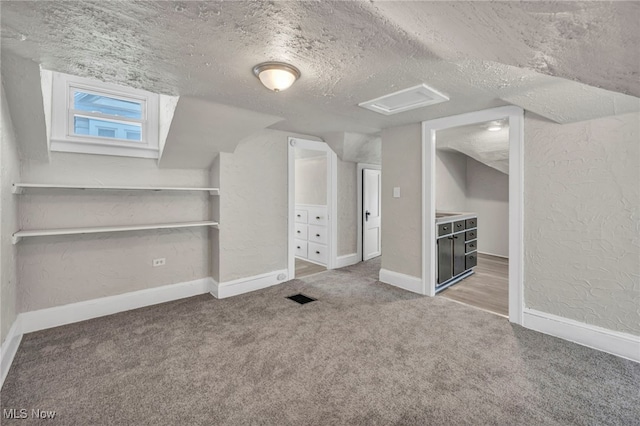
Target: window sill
(99, 148)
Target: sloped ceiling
(201, 129)
(489, 148)
(567, 61)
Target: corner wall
(9, 164)
(402, 217)
(582, 220)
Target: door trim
(332, 200)
(359, 183)
(516, 198)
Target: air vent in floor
(301, 298)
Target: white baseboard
(406, 282)
(346, 260)
(245, 285)
(81, 311)
(621, 344)
(9, 349)
(492, 254)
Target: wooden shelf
(101, 229)
(18, 188)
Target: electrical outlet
(159, 262)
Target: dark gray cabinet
(445, 258)
(456, 249)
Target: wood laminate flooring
(304, 268)
(487, 288)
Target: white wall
(487, 194)
(9, 164)
(59, 270)
(253, 206)
(311, 180)
(451, 181)
(582, 220)
(347, 208)
(402, 217)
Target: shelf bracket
(15, 239)
(17, 190)
(214, 192)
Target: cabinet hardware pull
(317, 252)
(318, 217)
(298, 215)
(317, 235)
(298, 246)
(298, 232)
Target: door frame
(359, 183)
(516, 198)
(332, 199)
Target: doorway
(512, 117)
(312, 191)
(369, 183)
(472, 184)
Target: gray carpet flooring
(365, 353)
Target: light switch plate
(396, 192)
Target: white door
(371, 214)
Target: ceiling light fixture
(494, 128)
(276, 76)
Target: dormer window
(92, 117)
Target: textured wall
(54, 271)
(9, 164)
(488, 197)
(253, 207)
(311, 180)
(402, 217)
(451, 181)
(347, 207)
(582, 220)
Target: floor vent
(405, 100)
(301, 298)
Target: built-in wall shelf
(18, 188)
(101, 229)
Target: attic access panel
(405, 100)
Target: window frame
(63, 138)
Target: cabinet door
(445, 259)
(458, 254)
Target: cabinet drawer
(317, 253)
(300, 231)
(472, 223)
(471, 246)
(444, 229)
(301, 248)
(317, 234)
(301, 216)
(471, 235)
(458, 226)
(471, 260)
(317, 216)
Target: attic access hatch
(405, 100)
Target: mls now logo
(23, 413)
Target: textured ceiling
(474, 140)
(545, 57)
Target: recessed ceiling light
(276, 76)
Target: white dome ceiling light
(276, 76)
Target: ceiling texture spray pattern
(567, 61)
